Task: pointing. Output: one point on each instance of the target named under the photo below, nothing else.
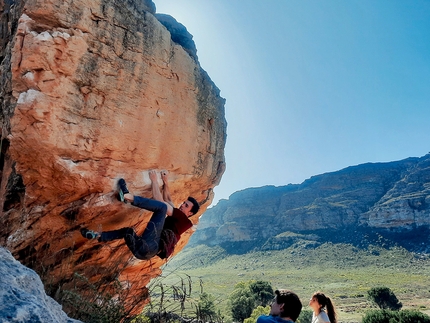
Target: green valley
(342, 271)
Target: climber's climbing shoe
(89, 234)
(122, 189)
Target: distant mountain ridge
(349, 204)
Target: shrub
(384, 298)
(248, 295)
(305, 316)
(205, 309)
(377, 316)
(387, 316)
(260, 310)
(411, 316)
(263, 292)
(241, 302)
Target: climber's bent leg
(117, 234)
(156, 223)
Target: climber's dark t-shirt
(174, 226)
(178, 222)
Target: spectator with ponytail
(323, 309)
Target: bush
(377, 316)
(263, 292)
(384, 298)
(205, 309)
(241, 302)
(260, 310)
(387, 316)
(305, 316)
(410, 316)
(248, 295)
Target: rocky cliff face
(22, 296)
(393, 196)
(92, 91)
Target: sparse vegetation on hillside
(344, 271)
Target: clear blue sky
(313, 86)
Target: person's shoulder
(180, 216)
(178, 213)
(323, 315)
(271, 319)
(265, 319)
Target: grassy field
(342, 271)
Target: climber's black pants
(147, 245)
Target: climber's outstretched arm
(156, 192)
(166, 191)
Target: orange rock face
(93, 91)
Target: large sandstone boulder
(92, 91)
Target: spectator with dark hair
(162, 232)
(323, 309)
(285, 307)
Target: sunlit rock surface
(92, 91)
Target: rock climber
(162, 232)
